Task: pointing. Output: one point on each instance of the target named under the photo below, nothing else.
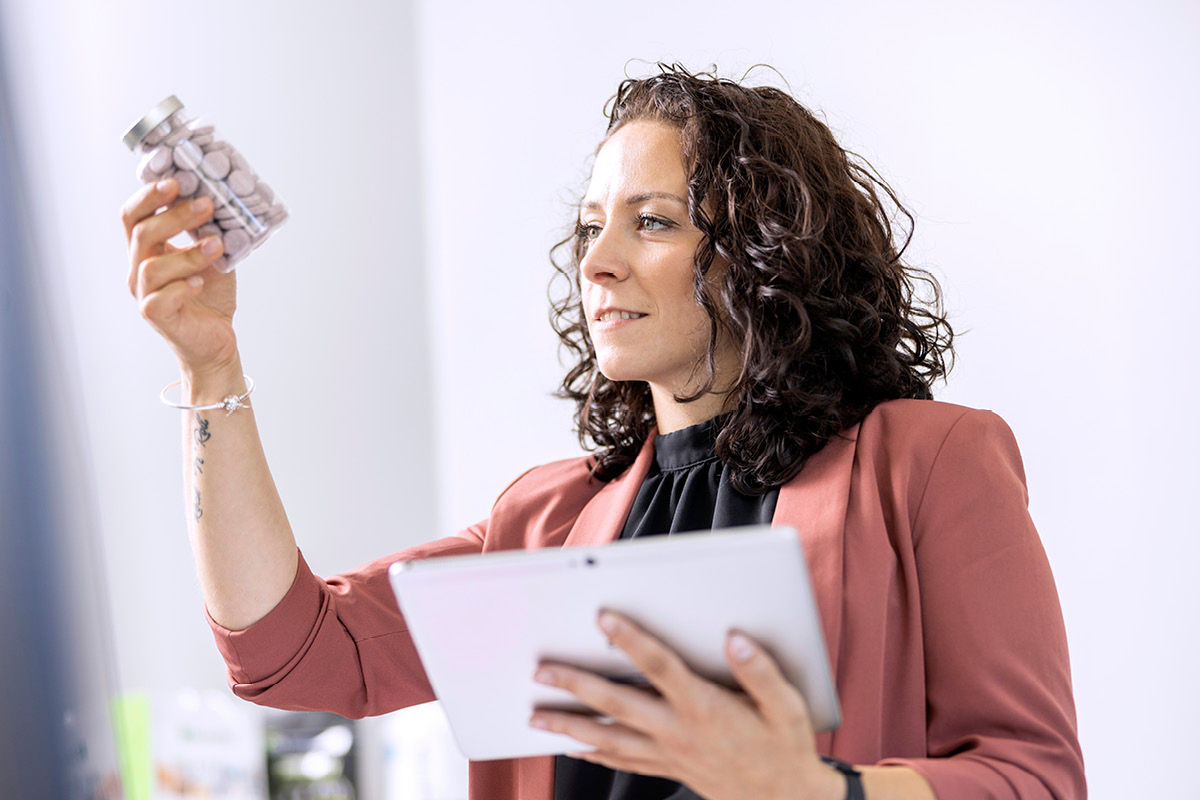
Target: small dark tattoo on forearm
(198, 510)
(201, 433)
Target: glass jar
(176, 145)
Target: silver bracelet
(231, 403)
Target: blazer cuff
(262, 650)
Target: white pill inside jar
(237, 243)
(215, 165)
(208, 229)
(265, 192)
(187, 156)
(241, 182)
(160, 160)
(189, 182)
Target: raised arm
(244, 549)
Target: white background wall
(430, 154)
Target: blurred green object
(131, 719)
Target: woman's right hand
(187, 301)
(246, 555)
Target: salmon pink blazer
(938, 605)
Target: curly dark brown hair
(828, 318)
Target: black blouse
(687, 489)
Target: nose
(605, 259)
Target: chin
(616, 375)
(619, 370)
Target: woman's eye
(650, 223)
(587, 231)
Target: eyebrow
(638, 199)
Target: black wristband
(854, 787)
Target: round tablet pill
(187, 156)
(215, 164)
(160, 159)
(237, 243)
(239, 162)
(265, 192)
(241, 182)
(146, 172)
(189, 182)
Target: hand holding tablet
(483, 624)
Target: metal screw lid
(152, 120)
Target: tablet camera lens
(591, 562)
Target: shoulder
(545, 481)
(926, 426)
(546, 499)
(911, 442)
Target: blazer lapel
(603, 518)
(815, 503)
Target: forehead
(641, 157)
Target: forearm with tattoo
(200, 435)
(246, 555)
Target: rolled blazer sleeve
(1001, 717)
(338, 645)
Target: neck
(671, 415)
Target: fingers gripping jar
(175, 145)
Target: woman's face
(636, 274)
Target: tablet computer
(482, 624)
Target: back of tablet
(481, 624)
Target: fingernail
(608, 622)
(544, 676)
(538, 722)
(740, 647)
(195, 281)
(163, 186)
(210, 245)
(200, 204)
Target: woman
(750, 349)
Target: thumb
(760, 677)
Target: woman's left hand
(720, 743)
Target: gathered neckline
(687, 447)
